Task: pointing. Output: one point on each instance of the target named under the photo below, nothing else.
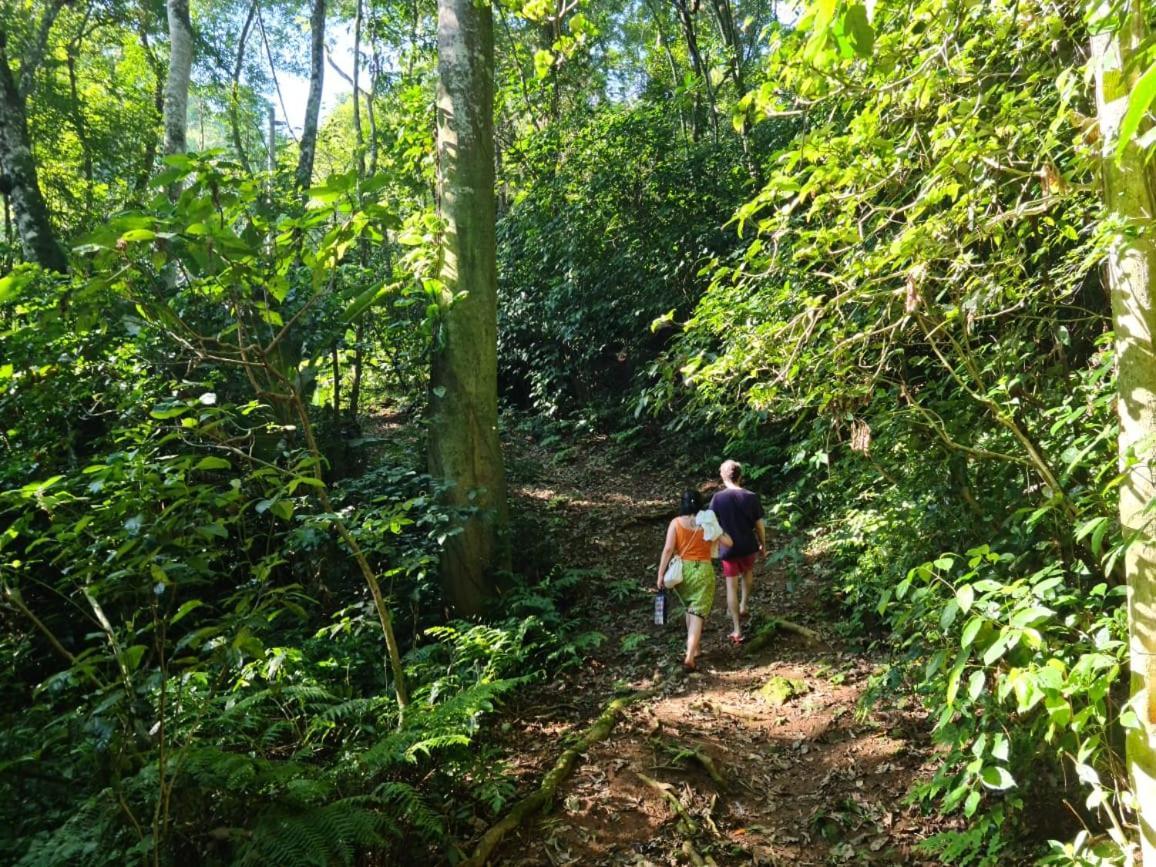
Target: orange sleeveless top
(691, 544)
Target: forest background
(867, 248)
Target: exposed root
(721, 709)
(764, 636)
(544, 795)
(686, 824)
(697, 860)
(678, 751)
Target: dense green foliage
(623, 217)
(213, 687)
(919, 301)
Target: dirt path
(802, 777)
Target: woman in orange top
(696, 592)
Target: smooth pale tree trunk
(176, 104)
(271, 143)
(313, 105)
(1130, 196)
(464, 446)
(358, 137)
(29, 210)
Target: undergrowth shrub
(193, 667)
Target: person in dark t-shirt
(741, 515)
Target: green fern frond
(408, 803)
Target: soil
(813, 777)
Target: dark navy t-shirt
(738, 511)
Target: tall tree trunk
(6, 263)
(150, 149)
(313, 106)
(686, 17)
(1130, 196)
(358, 363)
(336, 381)
(371, 116)
(359, 138)
(29, 210)
(176, 105)
(271, 142)
(235, 92)
(464, 446)
(675, 76)
(725, 19)
(81, 128)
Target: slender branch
(273, 72)
(13, 596)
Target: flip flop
(735, 640)
(689, 667)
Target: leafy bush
(192, 652)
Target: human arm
(667, 553)
(722, 539)
(761, 532)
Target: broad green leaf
(132, 656)
(364, 301)
(972, 802)
(996, 777)
(965, 595)
(996, 650)
(975, 684)
(133, 235)
(999, 747)
(185, 609)
(953, 682)
(282, 509)
(165, 412)
(210, 462)
(543, 63)
(858, 27)
(1139, 101)
(1059, 711)
(1031, 616)
(970, 631)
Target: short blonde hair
(731, 471)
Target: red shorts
(739, 566)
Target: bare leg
(748, 582)
(733, 602)
(693, 637)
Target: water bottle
(660, 608)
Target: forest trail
(797, 777)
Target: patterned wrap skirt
(696, 592)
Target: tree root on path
(764, 636)
(686, 824)
(544, 795)
(697, 860)
(679, 751)
(720, 709)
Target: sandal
(689, 667)
(735, 640)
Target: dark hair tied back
(690, 503)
